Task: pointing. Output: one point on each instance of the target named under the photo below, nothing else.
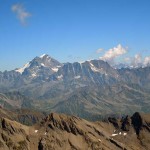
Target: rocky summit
(62, 132)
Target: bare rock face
(141, 124)
(137, 122)
(114, 121)
(70, 132)
(62, 132)
(63, 123)
(13, 136)
(42, 144)
(133, 131)
(126, 123)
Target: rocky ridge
(90, 88)
(59, 132)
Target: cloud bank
(138, 61)
(21, 13)
(146, 61)
(113, 53)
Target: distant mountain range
(88, 89)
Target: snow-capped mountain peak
(21, 70)
(43, 55)
(43, 65)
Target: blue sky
(73, 30)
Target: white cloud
(116, 57)
(99, 50)
(127, 59)
(136, 60)
(146, 61)
(113, 53)
(21, 13)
